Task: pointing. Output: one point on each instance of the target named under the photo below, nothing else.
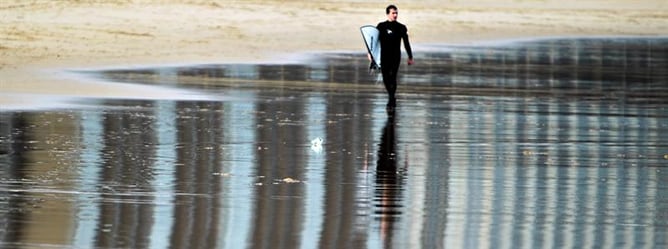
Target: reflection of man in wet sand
(388, 183)
(391, 32)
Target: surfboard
(370, 36)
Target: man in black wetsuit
(390, 35)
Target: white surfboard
(370, 36)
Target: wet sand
(537, 144)
(130, 125)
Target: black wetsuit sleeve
(407, 46)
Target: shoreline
(305, 56)
(42, 37)
(53, 99)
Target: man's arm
(407, 46)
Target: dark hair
(389, 7)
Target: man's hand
(410, 62)
(368, 56)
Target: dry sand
(40, 38)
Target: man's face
(392, 16)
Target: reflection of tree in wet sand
(196, 213)
(279, 206)
(125, 214)
(345, 207)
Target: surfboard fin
(373, 66)
(375, 69)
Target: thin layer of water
(544, 144)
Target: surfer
(391, 32)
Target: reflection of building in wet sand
(576, 160)
(534, 172)
(564, 190)
(577, 66)
(279, 216)
(550, 144)
(158, 180)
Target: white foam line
(279, 59)
(155, 92)
(34, 102)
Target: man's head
(392, 13)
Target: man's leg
(390, 81)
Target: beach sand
(39, 39)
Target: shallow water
(536, 144)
